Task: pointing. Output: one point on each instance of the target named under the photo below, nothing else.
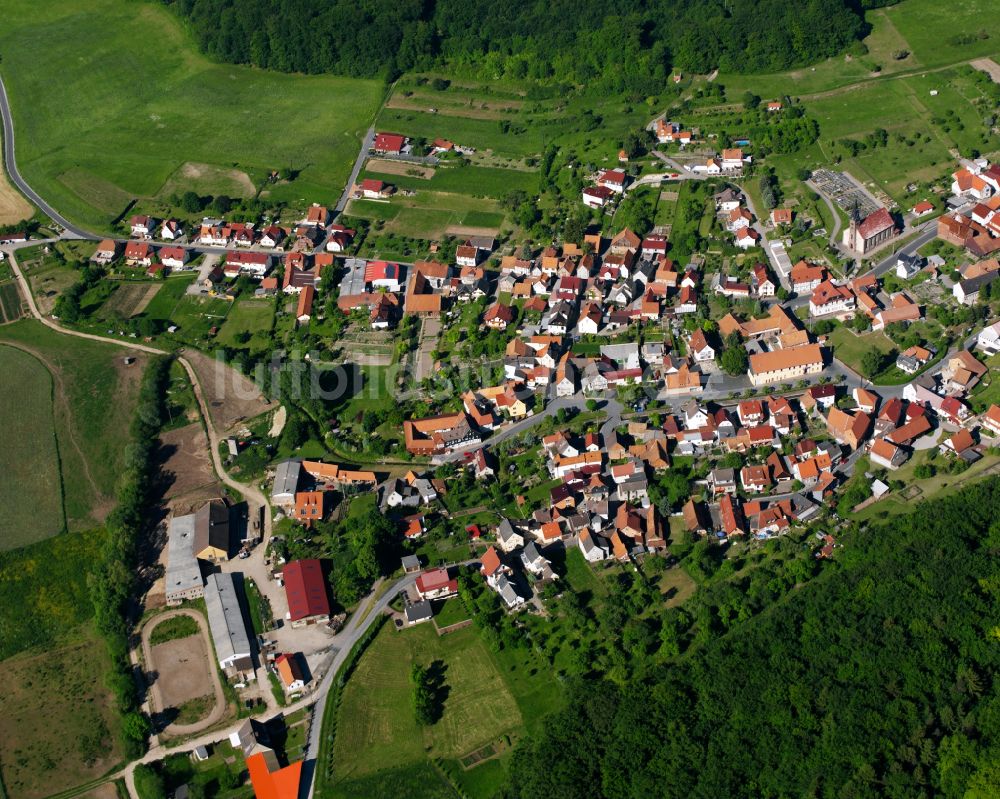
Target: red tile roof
(305, 589)
(875, 223)
(389, 142)
(280, 784)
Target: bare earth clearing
(231, 396)
(187, 467)
(386, 167)
(989, 66)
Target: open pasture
(123, 106)
(47, 743)
(93, 393)
(31, 491)
(376, 728)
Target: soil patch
(128, 300)
(387, 167)
(463, 230)
(989, 66)
(181, 669)
(232, 397)
(210, 179)
(186, 467)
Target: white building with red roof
(613, 179)
(597, 196)
(382, 275)
(436, 584)
(389, 144)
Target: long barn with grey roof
(225, 620)
(183, 578)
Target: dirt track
(184, 669)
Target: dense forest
(622, 45)
(878, 678)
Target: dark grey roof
(410, 562)
(211, 526)
(225, 618)
(973, 284)
(418, 611)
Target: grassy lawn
(159, 115)
(580, 576)
(195, 316)
(930, 30)
(58, 727)
(380, 743)
(31, 493)
(452, 611)
(475, 181)
(173, 628)
(255, 602)
(253, 317)
(166, 299)
(94, 394)
(429, 214)
(483, 134)
(224, 765)
(851, 348)
(677, 586)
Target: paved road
(685, 174)
(927, 236)
(835, 233)
(366, 145)
(17, 180)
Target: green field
(194, 315)
(122, 106)
(58, 726)
(452, 611)
(251, 317)
(166, 299)
(475, 181)
(93, 396)
(380, 744)
(483, 134)
(172, 629)
(851, 348)
(31, 491)
(924, 28)
(43, 590)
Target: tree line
(113, 581)
(876, 678)
(622, 46)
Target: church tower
(855, 221)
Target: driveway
(430, 329)
(211, 259)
